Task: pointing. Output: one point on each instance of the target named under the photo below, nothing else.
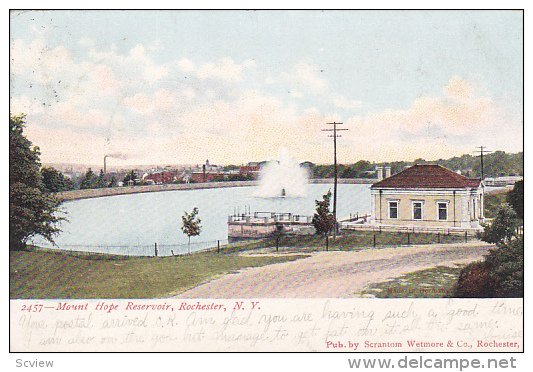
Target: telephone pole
(334, 135)
(482, 150)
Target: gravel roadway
(335, 274)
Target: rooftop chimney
(379, 173)
(387, 172)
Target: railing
(412, 229)
(269, 217)
(160, 250)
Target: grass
(492, 202)
(46, 274)
(437, 282)
(348, 241)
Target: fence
(346, 241)
(412, 229)
(134, 250)
(354, 240)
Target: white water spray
(282, 178)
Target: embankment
(97, 193)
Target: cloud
(306, 76)
(226, 69)
(87, 42)
(104, 79)
(432, 126)
(346, 104)
(24, 104)
(160, 100)
(459, 89)
(186, 65)
(38, 59)
(106, 101)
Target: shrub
(501, 274)
(475, 281)
(503, 227)
(506, 264)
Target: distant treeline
(496, 164)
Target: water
(148, 218)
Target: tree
(112, 182)
(89, 181)
(31, 211)
(131, 176)
(277, 234)
(54, 181)
(503, 226)
(515, 198)
(100, 182)
(323, 219)
(191, 225)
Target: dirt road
(335, 274)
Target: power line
(482, 150)
(334, 135)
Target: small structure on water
(264, 224)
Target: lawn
(45, 274)
(437, 282)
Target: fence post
(218, 246)
(155, 249)
(408, 238)
(466, 236)
(438, 237)
(374, 240)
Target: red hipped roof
(427, 176)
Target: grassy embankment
(437, 282)
(45, 274)
(49, 274)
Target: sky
(180, 87)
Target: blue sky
(236, 86)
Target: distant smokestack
(379, 173)
(105, 165)
(387, 172)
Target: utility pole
(482, 150)
(334, 135)
(105, 164)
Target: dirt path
(335, 274)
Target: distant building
(250, 170)
(206, 176)
(502, 181)
(428, 196)
(160, 177)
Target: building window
(442, 211)
(393, 209)
(417, 210)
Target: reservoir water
(131, 224)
